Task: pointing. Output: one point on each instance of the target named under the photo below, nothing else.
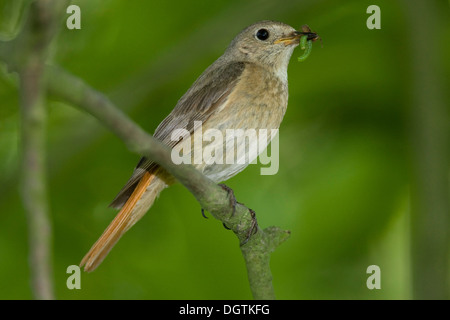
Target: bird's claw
(231, 196)
(253, 227)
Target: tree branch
(29, 59)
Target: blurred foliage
(343, 183)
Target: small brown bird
(246, 88)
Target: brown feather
(121, 223)
(201, 101)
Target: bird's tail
(142, 198)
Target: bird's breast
(258, 101)
(255, 107)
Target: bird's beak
(294, 38)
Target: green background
(344, 182)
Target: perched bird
(245, 88)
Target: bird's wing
(207, 93)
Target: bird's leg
(253, 228)
(233, 201)
(223, 223)
(231, 196)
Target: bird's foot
(253, 227)
(231, 196)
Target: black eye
(262, 34)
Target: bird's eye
(262, 34)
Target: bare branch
(30, 53)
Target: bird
(245, 88)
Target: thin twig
(29, 59)
(33, 180)
(33, 177)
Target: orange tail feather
(124, 220)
